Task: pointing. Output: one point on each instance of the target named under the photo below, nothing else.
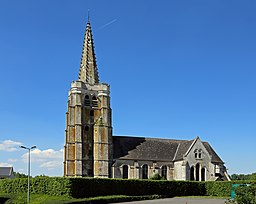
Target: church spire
(88, 72)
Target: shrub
(157, 177)
(218, 188)
(246, 194)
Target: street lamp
(33, 147)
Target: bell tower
(88, 149)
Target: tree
(243, 176)
(19, 175)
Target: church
(91, 150)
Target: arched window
(87, 100)
(196, 153)
(197, 172)
(200, 154)
(125, 172)
(86, 128)
(192, 173)
(145, 171)
(203, 174)
(164, 171)
(94, 101)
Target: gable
(197, 150)
(206, 150)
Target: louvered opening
(87, 101)
(94, 101)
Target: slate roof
(182, 149)
(154, 149)
(6, 171)
(215, 157)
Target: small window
(125, 172)
(192, 174)
(87, 101)
(203, 174)
(196, 153)
(91, 112)
(145, 171)
(200, 154)
(94, 101)
(86, 128)
(164, 172)
(197, 171)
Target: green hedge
(40, 185)
(91, 187)
(222, 188)
(218, 188)
(246, 194)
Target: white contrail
(107, 24)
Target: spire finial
(88, 15)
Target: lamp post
(29, 149)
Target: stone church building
(91, 149)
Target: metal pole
(28, 169)
(28, 174)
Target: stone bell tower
(88, 149)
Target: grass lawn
(34, 198)
(47, 199)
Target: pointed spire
(88, 72)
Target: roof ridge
(176, 152)
(152, 138)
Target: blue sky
(177, 69)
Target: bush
(218, 188)
(246, 194)
(222, 188)
(157, 177)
